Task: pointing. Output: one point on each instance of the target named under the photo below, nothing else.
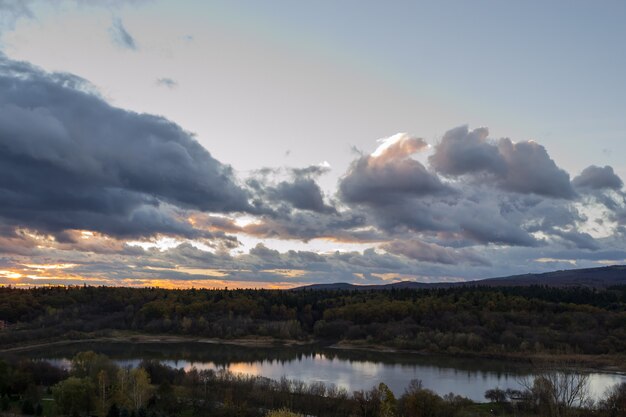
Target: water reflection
(352, 370)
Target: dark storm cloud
(120, 35)
(69, 160)
(597, 178)
(522, 167)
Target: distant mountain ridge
(601, 277)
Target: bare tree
(556, 392)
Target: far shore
(596, 363)
(145, 338)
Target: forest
(516, 322)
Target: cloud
(80, 178)
(278, 196)
(166, 82)
(302, 193)
(531, 170)
(388, 174)
(579, 240)
(350, 226)
(484, 222)
(401, 196)
(69, 160)
(597, 178)
(522, 167)
(463, 152)
(269, 264)
(120, 36)
(12, 10)
(430, 252)
(489, 192)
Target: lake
(350, 369)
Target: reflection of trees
(199, 352)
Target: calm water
(353, 370)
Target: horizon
(234, 144)
(306, 286)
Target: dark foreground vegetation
(515, 321)
(96, 386)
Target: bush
(496, 395)
(283, 412)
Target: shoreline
(591, 363)
(588, 363)
(169, 339)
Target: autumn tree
(139, 387)
(387, 401)
(74, 396)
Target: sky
(276, 144)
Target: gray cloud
(69, 160)
(531, 170)
(12, 10)
(430, 252)
(597, 178)
(523, 167)
(315, 267)
(300, 191)
(577, 239)
(351, 226)
(401, 196)
(380, 180)
(166, 82)
(120, 36)
(484, 223)
(463, 152)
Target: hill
(590, 277)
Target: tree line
(468, 320)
